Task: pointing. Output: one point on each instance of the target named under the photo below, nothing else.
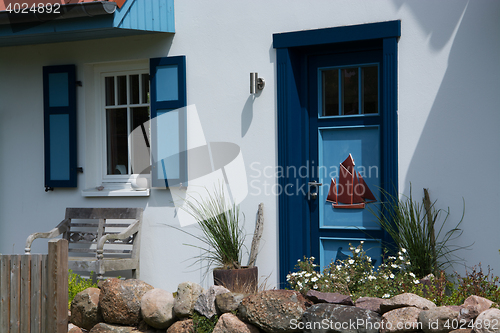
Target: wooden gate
(34, 291)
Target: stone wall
(125, 306)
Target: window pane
(134, 89)
(110, 90)
(330, 80)
(117, 142)
(145, 88)
(122, 90)
(140, 139)
(370, 89)
(350, 91)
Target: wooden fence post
(57, 302)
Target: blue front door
(345, 152)
(336, 104)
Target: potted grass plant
(223, 241)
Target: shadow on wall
(458, 154)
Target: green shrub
(202, 324)
(76, 284)
(356, 276)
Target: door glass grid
(347, 91)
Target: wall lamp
(256, 82)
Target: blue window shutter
(59, 107)
(168, 126)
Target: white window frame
(98, 182)
(117, 178)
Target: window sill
(124, 192)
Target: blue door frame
(292, 52)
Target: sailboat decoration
(352, 191)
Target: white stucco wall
(448, 116)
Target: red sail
(332, 192)
(358, 189)
(346, 180)
(368, 195)
(352, 191)
(349, 163)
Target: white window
(117, 104)
(125, 107)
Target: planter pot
(244, 280)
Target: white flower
(394, 266)
(348, 279)
(298, 260)
(391, 276)
(391, 257)
(386, 296)
(299, 284)
(357, 250)
(412, 275)
(371, 277)
(404, 250)
(408, 263)
(312, 258)
(315, 286)
(369, 259)
(361, 242)
(350, 261)
(401, 258)
(308, 274)
(351, 248)
(416, 281)
(339, 267)
(314, 279)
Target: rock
(187, 295)
(157, 308)
(183, 326)
(74, 329)
(228, 302)
(472, 307)
(145, 328)
(369, 303)
(438, 320)
(120, 300)
(491, 317)
(405, 300)
(333, 298)
(401, 320)
(463, 330)
(273, 310)
(205, 305)
(337, 318)
(107, 328)
(85, 312)
(229, 323)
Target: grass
(411, 225)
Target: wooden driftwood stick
(259, 226)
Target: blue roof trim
(338, 34)
(134, 18)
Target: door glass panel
(350, 87)
(330, 81)
(117, 142)
(369, 86)
(335, 145)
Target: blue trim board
(136, 17)
(60, 149)
(292, 50)
(380, 30)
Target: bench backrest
(88, 225)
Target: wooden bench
(96, 244)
